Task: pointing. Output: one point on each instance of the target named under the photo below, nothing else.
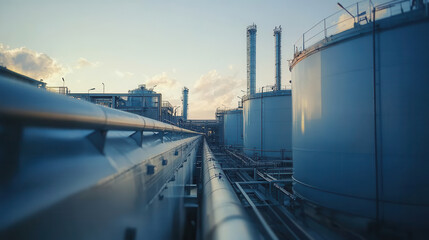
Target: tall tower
(185, 104)
(251, 59)
(278, 43)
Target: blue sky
(198, 44)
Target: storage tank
(233, 127)
(360, 124)
(267, 121)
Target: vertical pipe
(277, 38)
(357, 12)
(262, 124)
(251, 59)
(324, 27)
(160, 108)
(377, 207)
(303, 42)
(185, 104)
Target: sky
(171, 44)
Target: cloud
(161, 81)
(213, 90)
(123, 74)
(345, 22)
(169, 87)
(30, 63)
(83, 63)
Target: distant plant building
(141, 101)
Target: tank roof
(272, 93)
(357, 20)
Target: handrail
(26, 105)
(264, 150)
(340, 21)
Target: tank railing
(24, 105)
(264, 150)
(226, 109)
(282, 152)
(268, 91)
(361, 14)
(271, 88)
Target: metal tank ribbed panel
(267, 131)
(233, 128)
(359, 135)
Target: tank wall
(233, 128)
(276, 126)
(334, 129)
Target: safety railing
(267, 91)
(354, 15)
(22, 104)
(270, 88)
(166, 104)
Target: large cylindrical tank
(233, 127)
(267, 121)
(360, 136)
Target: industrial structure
(277, 50)
(231, 127)
(341, 155)
(354, 130)
(142, 101)
(267, 124)
(251, 59)
(185, 104)
(359, 123)
(267, 113)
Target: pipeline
(70, 169)
(27, 105)
(222, 213)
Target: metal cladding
(251, 59)
(233, 128)
(360, 123)
(185, 104)
(267, 124)
(223, 216)
(278, 42)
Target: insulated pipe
(222, 213)
(26, 105)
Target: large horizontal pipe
(222, 213)
(26, 105)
